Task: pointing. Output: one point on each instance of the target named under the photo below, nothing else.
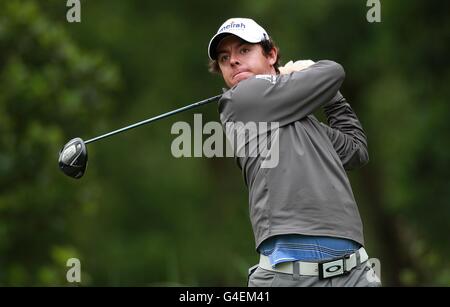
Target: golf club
(73, 156)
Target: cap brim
(212, 48)
(212, 52)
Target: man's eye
(223, 58)
(244, 50)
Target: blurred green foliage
(50, 89)
(139, 216)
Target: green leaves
(48, 88)
(140, 216)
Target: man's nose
(234, 60)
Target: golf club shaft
(147, 121)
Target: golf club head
(73, 158)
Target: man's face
(239, 60)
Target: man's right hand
(297, 66)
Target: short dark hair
(267, 45)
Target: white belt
(323, 269)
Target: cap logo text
(231, 26)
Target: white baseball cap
(245, 28)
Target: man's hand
(297, 66)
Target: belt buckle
(332, 268)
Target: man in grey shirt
(305, 220)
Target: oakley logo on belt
(331, 269)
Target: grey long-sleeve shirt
(308, 192)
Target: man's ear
(273, 54)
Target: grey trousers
(361, 276)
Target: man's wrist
(338, 97)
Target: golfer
(306, 224)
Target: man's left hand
(297, 66)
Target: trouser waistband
(324, 269)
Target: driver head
(73, 158)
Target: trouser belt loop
(358, 259)
(296, 270)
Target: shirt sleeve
(346, 133)
(283, 98)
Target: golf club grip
(147, 121)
